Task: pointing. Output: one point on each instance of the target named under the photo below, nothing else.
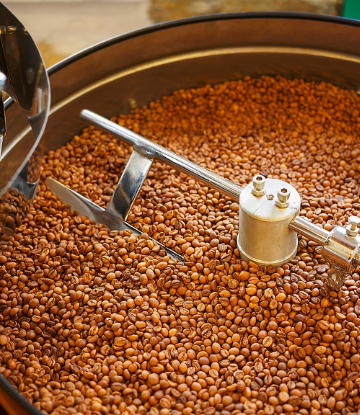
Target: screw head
(351, 229)
(282, 200)
(258, 185)
(354, 220)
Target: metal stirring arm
(341, 246)
(129, 185)
(134, 174)
(153, 150)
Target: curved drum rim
(194, 20)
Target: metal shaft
(153, 150)
(264, 226)
(309, 230)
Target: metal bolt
(282, 200)
(351, 229)
(258, 185)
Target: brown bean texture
(94, 321)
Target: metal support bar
(129, 185)
(309, 230)
(153, 150)
(136, 170)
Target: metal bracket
(129, 185)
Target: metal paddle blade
(91, 210)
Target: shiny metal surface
(258, 185)
(24, 78)
(153, 150)
(341, 251)
(28, 84)
(304, 227)
(352, 228)
(339, 247)
(129, 185)
(264, 235)
(2, 111)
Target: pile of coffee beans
(95, 321)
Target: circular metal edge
(290, 210)
(193, 20)
(276, 264)
(190, 20)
